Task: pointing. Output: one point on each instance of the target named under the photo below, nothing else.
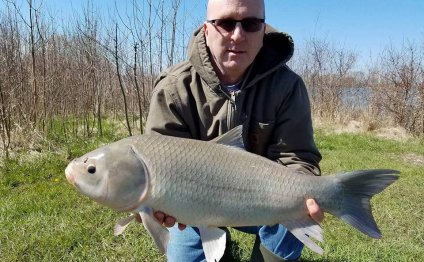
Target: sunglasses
(248, 24)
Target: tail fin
(358, 188)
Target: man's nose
(238, 32)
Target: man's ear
(205, 31)
(205, 28)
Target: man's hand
(315, 211)
(168, 221)
(164, 219)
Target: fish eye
(91, 169)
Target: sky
(363, 26)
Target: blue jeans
(186, 245)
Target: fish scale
(206, 186)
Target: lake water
(360, 97)
(357, 97)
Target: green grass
(42, 218)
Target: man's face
(233, 50)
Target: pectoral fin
(304, 230)
(213, 242)
(233, 138)
(158, 232)
(122, 224)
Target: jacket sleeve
(292, 142)
(165, 116)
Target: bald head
(217, 8)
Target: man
(236, 74)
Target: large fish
(218, 183)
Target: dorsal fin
(234, 138)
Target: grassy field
(42, 218)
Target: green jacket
(273, 105)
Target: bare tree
(121, 84)
(31, 25)
(150, 39)
(175, 7)
(5, 121)
(327, 71)
(139, 100)
(399, 86)
(10, 74)
(43, 107)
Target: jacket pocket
(259, 136)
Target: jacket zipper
(232, 107)
(232, 110)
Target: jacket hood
(277, 49)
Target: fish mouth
(69, 175)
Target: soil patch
(413, 159)
(393, 133)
